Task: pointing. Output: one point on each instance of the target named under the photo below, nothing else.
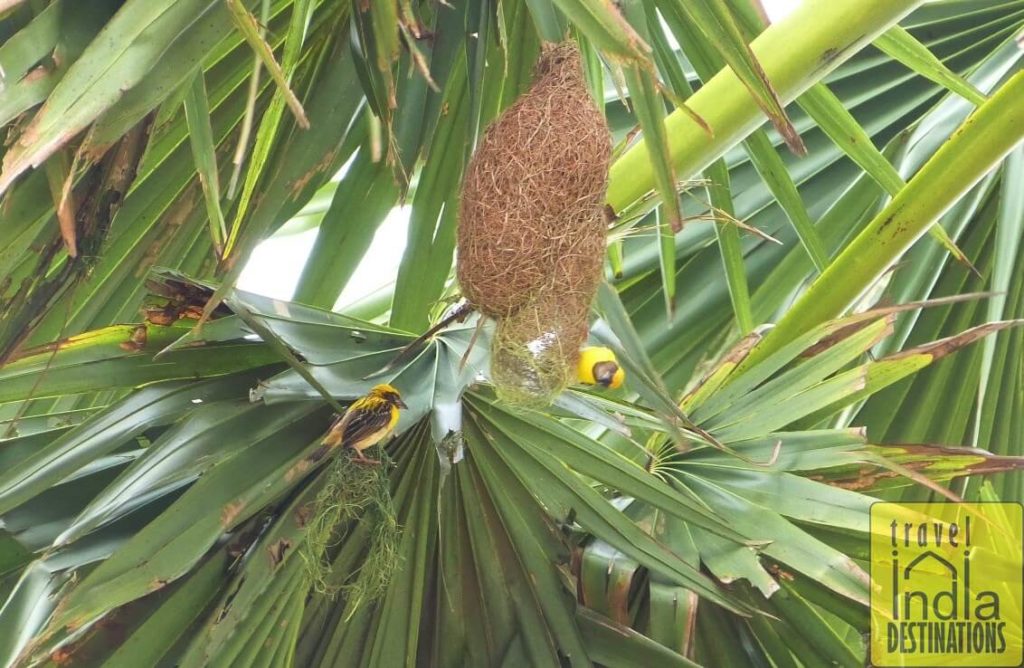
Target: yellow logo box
(946, 584)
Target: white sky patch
(779, 9)
(379, 265)
(276, 264)
(274, 268)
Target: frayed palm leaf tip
(532, 232)
(354, 498)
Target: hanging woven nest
(531, 236)
(534, 192)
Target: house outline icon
(925, 555)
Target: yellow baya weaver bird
(368, 421)
(598, 366)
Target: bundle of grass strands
(352, 494)
(534, 350)
(531, 236)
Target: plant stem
(795, 53)
(976, 147)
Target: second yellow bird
(368, 421)
(598, 366)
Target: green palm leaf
(157, 503)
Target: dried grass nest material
(531, 217)
(531, 237)
(353, 493)
(534, 352)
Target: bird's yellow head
(389, 394)
(598, 366)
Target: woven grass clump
(534, 351)
(533, 193)
(353, 493)
(531, 236)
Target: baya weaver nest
(531, 236)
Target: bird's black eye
(604, 372)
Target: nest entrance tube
(534, 352)
(531, 235)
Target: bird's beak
(604, 373)
(400, 403)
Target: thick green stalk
(794, 53)
(977, 146)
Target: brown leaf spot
(277, 551)
(303, 514)
(297, 470)
(868, 478)
(829, 55)
(163, 317)
(230, 513)
(300, 183)
(847, 331)
(136, 340)
(35, 74)
(943, 347)
(193, 312)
